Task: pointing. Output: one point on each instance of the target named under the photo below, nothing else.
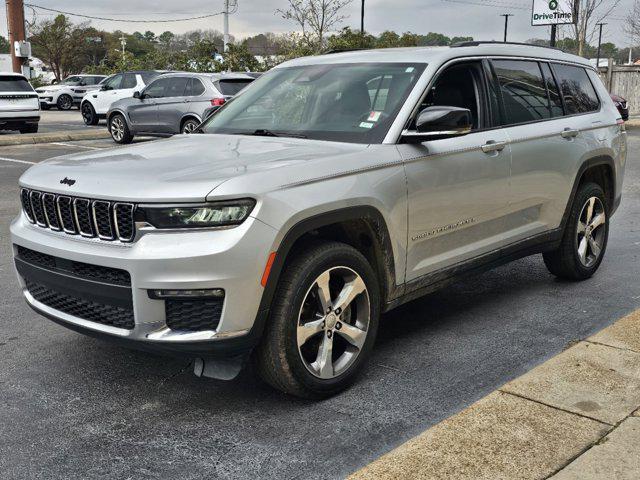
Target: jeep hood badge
(67, 181)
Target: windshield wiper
(263, 132)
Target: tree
(590, 13)
(239, 59)
(166, 38)
(61, 44)
(315, 17)
(348, 39)
(388, 39)
(4, 45)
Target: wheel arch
(601, 170)
(362, 227)
(189, 116)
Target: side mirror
(440, 122)
(104, 88)
(138, 95)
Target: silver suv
(173, 103)
(332, 190)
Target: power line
(109, 19)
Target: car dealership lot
(76, 407)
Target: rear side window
(579, 94)
(555, 101)
(129, 81)
(147, 77)
(14, 84)
(232, 87)
(524, 91)
(176, 87)
(194, 88)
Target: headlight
(218, 214)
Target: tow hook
(219, 369)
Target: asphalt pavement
(75, 407)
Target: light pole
(362, 18)
(506, 24)
(599, 46)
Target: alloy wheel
(65, 102)
(189, 127)
(117, 128)
(591, 232)
(333, 323)
(87, 113)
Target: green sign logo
(553, 5)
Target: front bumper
(231, 260)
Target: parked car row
(63, 95)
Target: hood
(185, 168)
(51, 88)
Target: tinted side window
(524, 92)
(147, 77)
(113, 83)
(197, 88)
(156, 89)
(176, 87)
(232, 87)
(555, 101)
(579, 94)
(129, 81)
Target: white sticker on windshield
(366, 125)
(409, 70)
(374, 117)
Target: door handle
(492, 146)
(569, 133)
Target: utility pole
(554, 34)
(15, 26)
(506, 24)
(226, 25)
(362, 19)
(599, 45)
(123, 43)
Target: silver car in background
(174, 103)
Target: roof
(11, 74)
(213, 76)
(438, 54)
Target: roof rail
(476, 43)
(343, 50)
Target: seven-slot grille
(80, 216)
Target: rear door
(173, 104)
(17, 95)
(546, 144)
(197, 101)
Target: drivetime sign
(552, 12)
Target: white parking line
(63, 144)
(16, 161)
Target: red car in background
(622, 105)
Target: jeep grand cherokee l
(333, 189)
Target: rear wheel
(190, 126)
(323, 323)
(65, 102)
(119, 129)
(585, 238)
(89, 114)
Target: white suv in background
(19, 104)
(61, 95)
(95, 105)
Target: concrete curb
(30, 139)
(552, 421)
(633, 123)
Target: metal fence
(624, 80)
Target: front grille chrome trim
(102, 235)
(55, 223)
(36, 200)
(25, 199)
(84, 233)
(66, 230)
(131, 208)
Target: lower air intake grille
(193, 315)
(94, 312)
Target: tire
(282, 359)
(29, 128)
(119, 129)
(44, 106)
(89, 114)
(65, 102)
(189, 126)
(585, 238)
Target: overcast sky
(256, 16)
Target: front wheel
(585, 238)
(89, 114)
(190, 126)
(119, 129)
(65, 102)
(323, 322)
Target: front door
(144, 114)
(173, 105)
(458, 187)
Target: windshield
(354, 103)
(71, 81)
